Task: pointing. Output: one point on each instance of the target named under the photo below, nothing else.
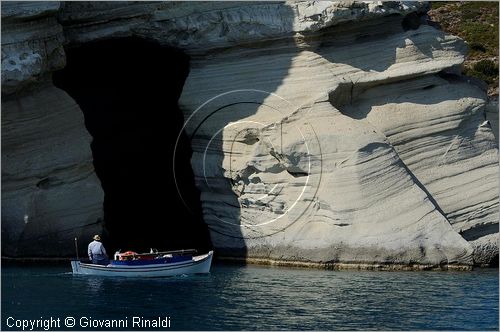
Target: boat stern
(75, 266)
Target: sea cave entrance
(128, 90)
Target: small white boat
(147, 265)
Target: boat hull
(197, 265)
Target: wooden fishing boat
(153, 264)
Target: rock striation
(50, 192)
(323, 132)
(31, 44)
(326, 182)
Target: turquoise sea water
(257, 298)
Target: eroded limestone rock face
(363, 148)
(31, 44)
(50, 192)
(325, 131)
(439, 129)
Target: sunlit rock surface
(333, 132)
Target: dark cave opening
(128, 90)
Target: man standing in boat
(97, 253)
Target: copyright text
(50, 323)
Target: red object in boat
(127, 255)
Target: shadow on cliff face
(238, 167)
(364, 38)
(128, 90)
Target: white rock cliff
(50, 192)
(323, 132)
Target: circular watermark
(255, 157)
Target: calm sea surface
(257, 298)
